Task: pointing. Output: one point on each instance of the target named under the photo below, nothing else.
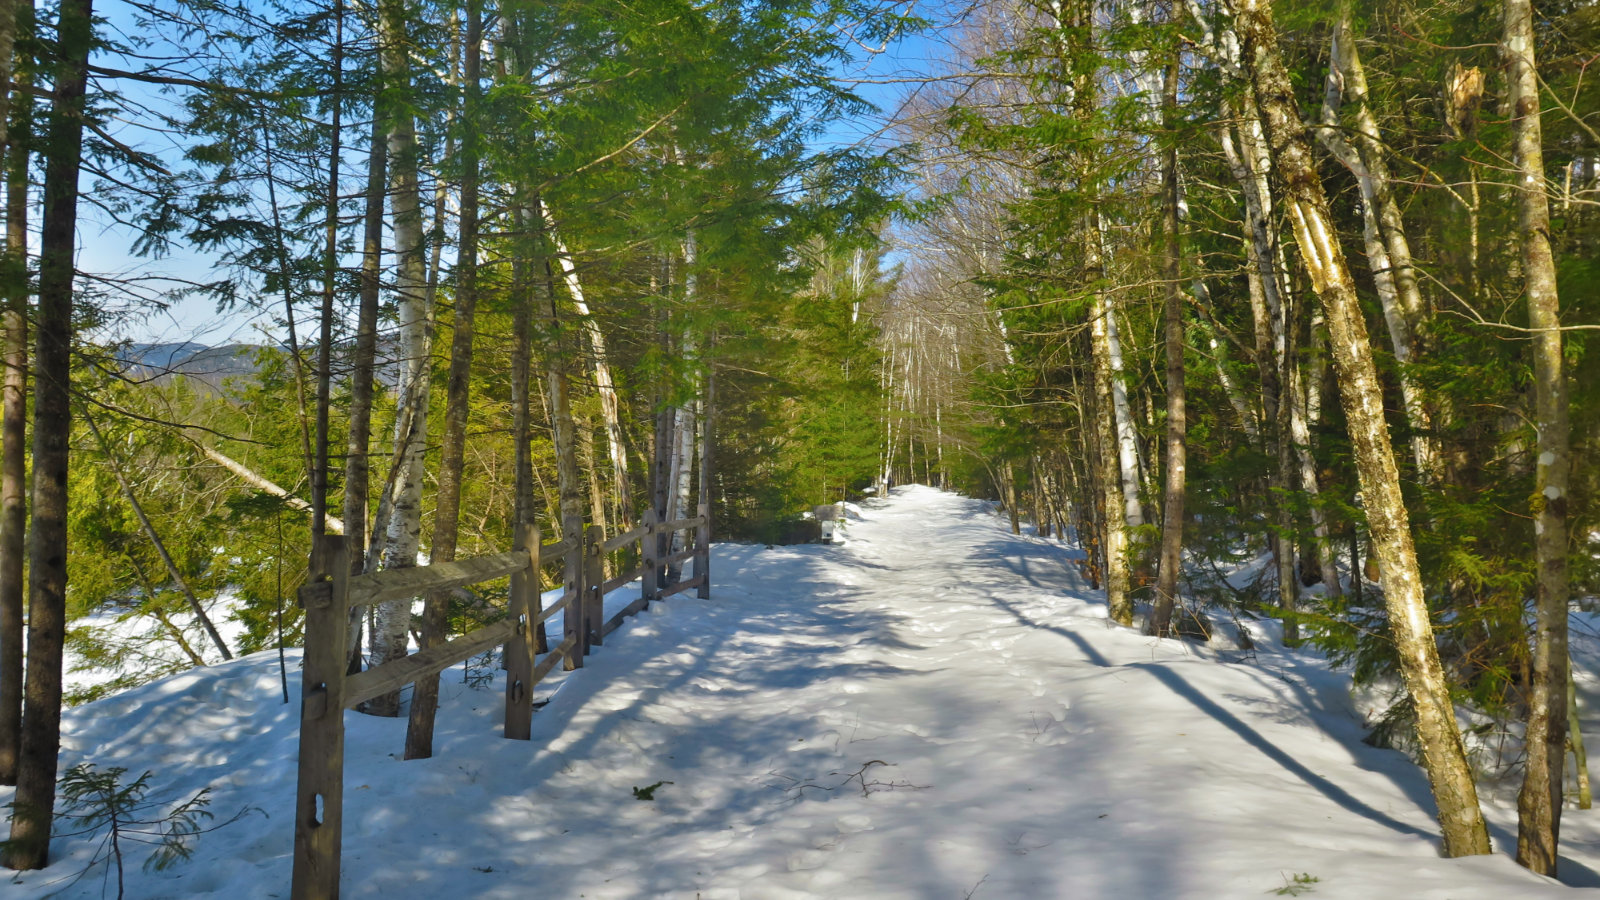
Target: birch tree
(402, 538)
(1444, 756)
(1539, 801)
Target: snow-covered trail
(1009, 744)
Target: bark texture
(392, 620)
(1539, 801)
(452, 451)
(1443, 754)
(13, 411)
(604, 384)
(1174, 492)
(1383, 229)
(35, 797)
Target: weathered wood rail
(331, 594)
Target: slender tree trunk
(1539, 802)
(34, 801)
(605, 386)
(14, 404)
(522, 397)
(263, 484)
(1177, 413)
(1300, 440)
(1008, 491)
(177, 635)
(357, 462)
(708, 437)
(330, 278)
(1122, 412)
(584, 428)
(1443, 753)
(1383, 230)
(682, 465)
(1248, 163)
(452, 453)
(569, 478)
(1113, 528)
(402, 539)
(297, 359)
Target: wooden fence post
(319, 796)
(650, 581)
(519, 649)
(593, 577)
(702, 555)
(572, 592)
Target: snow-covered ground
(933, 709)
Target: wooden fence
(331, 594)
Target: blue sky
(884, 78)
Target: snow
(1011, 744)
(146, 643)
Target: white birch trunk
(1438, 735)
(1388, 252)
(680, 498)
(605, 385)
(392, 621)
(1127, 446)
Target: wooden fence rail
(331, 593)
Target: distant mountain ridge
(211, 366)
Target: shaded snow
(1015, 745)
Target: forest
(1276, 310)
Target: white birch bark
(1300, 436)
(1127, 447)
(392, 620)
(1438, 735)
(605, 385)
(1382, 232)
(680, 498)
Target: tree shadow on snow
(1337, 794)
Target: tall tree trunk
(1580, 755)
(1249, 165)
(1539, 801)
(35, 797)
(357, 461)
(1117, 502)
(1008, 493)
(452, 452)
(330, 278)
(563, 432)
(708, 438)
(1122, 411)
(1177, 413)
(1297, 400)
(522, 397)
(1114, 533)
(1443, 753)
(681, 498)
(605, 386)
(14, 400)
(391, 628)
(1383, 229)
